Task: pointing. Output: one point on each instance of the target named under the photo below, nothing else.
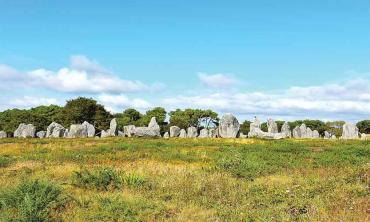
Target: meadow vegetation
(131, 179)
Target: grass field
(128, 179)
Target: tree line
(83, 109)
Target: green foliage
(5, 161)
(33, 201)
(364, 126)
(318, 125)
(134, 180)
(100, 179)
(193, 117)
(244, 127)
(84, 109)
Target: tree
(128, 117)
(364, 126)
(245, 127)
(82, 109)
(193, 117)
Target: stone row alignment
(229, 127)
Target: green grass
(129, 179)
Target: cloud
(216, 80)
(117, 103)
(350, 100)
(83, 76)
(31, 101)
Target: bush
(5, 161)
(101, 179)
(134, 180)
(32, 201)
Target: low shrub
(134, 180)
(32, 201)
(5, 161)
(100, 179)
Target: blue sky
(284, 59)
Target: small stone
(166, 135)
(129, 130)
(41, 134)
(204, 133)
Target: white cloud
(216, 80)
(31, 101)
(350, 100)
(83, 76)
(117, 103)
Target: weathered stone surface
(255, 128)
(213, 132)
(242, 135)
(333, 137)
(174, 131)
(192, 132)
(272, 126)
(153, 125)
(66, 133)
(166, 135)
(350, 131)
(77, 131)
(145, 132)
(55, 130)
(327, 135)
(182, 133)
(286, 130)
(113, 131)
(229, 126)
(315, 134)
(24, 131)
(41, 134)
(296, 132)
(121, 134)
(129, 130)
(104, 134)
(363, 136)
(90, 129)
(153, 129)
(303, 130)
(204, 133)
(3, 134)
(308, 133)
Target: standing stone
(303, 130)
(272, 126)
(296, 132)
(113, 131)
(66, 133)
(308, 133)
(229, 126)
(153, 125)
(255, 128)
(182, 133)
(55, 130)
(121, 134)
(327, 135)
(166, 135)
(3, 134)
(204, 133)
(129, 130)
(24, 131)
(363, 136)
(192, 132)
(174, 131)
(350, 131)
(286, 130)
(104, 133)
(315, 134)
(90, 129)
(77, 131)
(333, 137)
(153, 129)
(41, 134)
